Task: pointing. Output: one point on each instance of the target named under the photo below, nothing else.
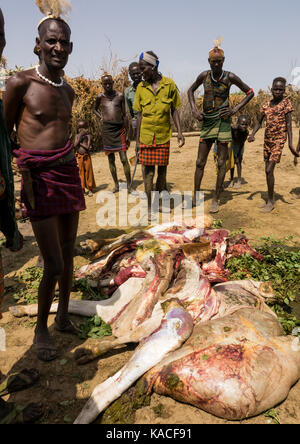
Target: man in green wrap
(216, 117)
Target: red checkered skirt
(156, 154)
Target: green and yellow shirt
(156, 110)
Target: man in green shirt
(156, 99)
(136, 77)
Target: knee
(54, 268)
(221, 163)
(124, 161)
(200, 163)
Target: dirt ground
(64, 387)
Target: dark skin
(136, 77)
(32, 411)
(82, 142)
(42, 114)
(239, 135)
(111, 103)
(3, 203)
(150, 74)
(277, 91)
(216, 65)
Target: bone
(175, 328)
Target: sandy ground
(64, 387)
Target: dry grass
(86, 91)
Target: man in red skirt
(156, 99)
(39, 102)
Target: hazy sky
(261, 38)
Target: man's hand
(251, 139)
(181, 140)
(28, 188)
(227, 112)
(198, 115)
(127, 142)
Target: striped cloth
(151, 155)
(57, 189)
(215, 128)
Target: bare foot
(262, 205)
(214, 207)
(238, 185)
(231, 184)
(268, 207)
(116, 190)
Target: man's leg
(222, 156)
(239, 172)
(67, 227)
(270, 167)
(231, 178)
(148, 175)
(203, 151)
(113, 171)
(161, 183)
(126, 167)
(47, 236)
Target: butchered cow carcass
(203, 340)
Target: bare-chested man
(110, 108)
(216, 117)
(40, 102)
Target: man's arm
(125, 119)
(16, 88)
(257, 126)
(176, 118)
(13, 101)
(191, 95)
(288, 118)
(138, 131)
(97, 106)
(235, 80)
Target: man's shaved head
(44, 27)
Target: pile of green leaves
(94, 328)
(281, 266)
(29, 283)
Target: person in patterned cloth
(278, 115)
(156, 99)
(39, 102)
(216, 117)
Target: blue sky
(261, 38)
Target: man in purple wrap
(39, 102)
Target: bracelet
(249, 92)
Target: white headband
(149, 59)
